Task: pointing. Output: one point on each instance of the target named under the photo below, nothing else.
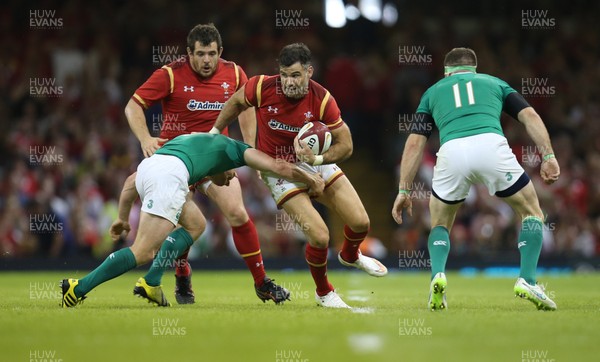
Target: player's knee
(361, 225)
(532, 212)
(441, 219)
(319, 238)
(196, 231)
(193, 224)
(236, 215)
(529, 208)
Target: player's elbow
(238, 103)
(345, 149)
(348, 153)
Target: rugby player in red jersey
(283, 104)
(192, 91)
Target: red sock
(317, 262)
(352, 241)
(245, 239)
(182, 268)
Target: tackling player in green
(466, 108)
(162, 182)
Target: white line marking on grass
(365, 343)
(358, 298)
(358, 295)
(363, 310)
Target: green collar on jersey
(459, 68)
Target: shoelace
(270, 285)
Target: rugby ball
(316, 134)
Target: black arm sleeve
(423, 124)
(514, 103)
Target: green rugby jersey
(466, 104)
(205, 154)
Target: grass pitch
(484, 322)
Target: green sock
(177, 242)
(116, 264)
(530, 246)
(438, 244)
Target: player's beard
(296, 91)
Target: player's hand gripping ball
(317, 136)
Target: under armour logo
(188, 89)
(272, 109)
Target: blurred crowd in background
(67, 146)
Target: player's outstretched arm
(128, 196)
(137, 122)
(549, 170)
(411, 159)
(247, 120)
(263, 162)
(231, 110)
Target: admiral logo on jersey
(194, 105)
(278, 126)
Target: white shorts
(162, 183)
(282, 189)
(484, 158)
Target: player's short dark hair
(205, 34)
(294, 53)
(460, 56)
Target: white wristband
(214, 130)
(318, 160)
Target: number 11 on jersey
(470, 97)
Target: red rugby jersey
(279, 118)
(190, 103)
